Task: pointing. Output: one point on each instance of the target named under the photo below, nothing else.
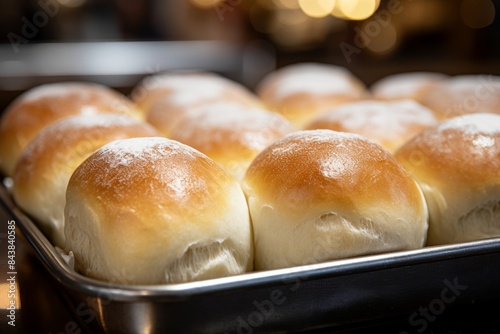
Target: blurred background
(117, 42)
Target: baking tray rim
(61, 271)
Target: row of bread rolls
(313, 195)
(160, 211)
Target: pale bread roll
(155, 211)
(321, 195)
(389, 123)
(404, 85)
(45, 104)
(165, 96)
(458, 167)
(231, 134)
(45, 166)
(302, 91)
(463, 94)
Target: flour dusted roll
(165, 97)
(321, 195)
(230, 134)
(389, 123)
(45, 104)
(302, 91)
(405, 85)
(45, 166)
(458, 167)
(154, 211)
(463, 94)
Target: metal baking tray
(330, 294)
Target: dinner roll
(458, 167)
(155, 211)
(321, 195)
(181, 90)
(45, 104)
(404, 85)
(464, 94)
(230, 134)
(45, 166)
(302, 91)
(389, 123)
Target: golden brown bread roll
(464, 94)
(154, 211)
(302, 91)
(179, 91)
(230, 134)
(389, 123)
(45, 104)
(45, 166)
(404, 85)
(458, 167)
(320, 195)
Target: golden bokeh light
(355, 9)
(288, 4)
(317, 8)
(205, 3)
(385, 41)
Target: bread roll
(45, 104)
(45, 166)
(458, 167)
(154, 211)
(230, 134)
(465, 94)
(404, 85)
(389, 123)
(321, 195)
(302, 91)
(182, 90)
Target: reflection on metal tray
(285, 300)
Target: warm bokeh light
(288, 4)
(205, 3)
(290, 17)
(477, 14)
(336, 12)
(317, 8)
(293, 29)
(355, 9)
(385, 41)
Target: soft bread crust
(45, 166)
(461, 95)
(322, 195)
(154, 211)
(45, 104)
(302, 91)
(458, 167)
(230, 134)
(178, 91)
(389, 123)
(405, 85)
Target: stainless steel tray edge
(325, 294)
